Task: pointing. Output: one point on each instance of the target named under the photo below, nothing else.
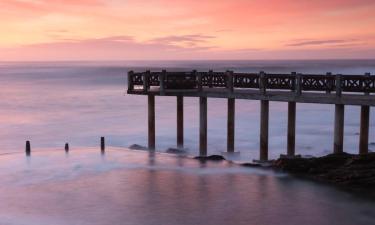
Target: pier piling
(231, 125)
(203, 126)
(364, 129)
(180, 122)
(291, 139)
(339, 129)
(151, 122)
(66, 147)
(264, 114)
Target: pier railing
(262, 81)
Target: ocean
(51, 103)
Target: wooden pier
(293, 88)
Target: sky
(33, 30)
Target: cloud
(309, 42)
(191, 40)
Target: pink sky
(170, 29)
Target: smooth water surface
(132, 187)
(77, 102)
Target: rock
(181, 151)
(137, 147)
(251, 165)
(344, 169)
(210, 158)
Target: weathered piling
(28, 148)
(364, 129)
(102, 144)
(264, 114)
(180, 122)
(291, 137)
(339, 129)
(203, 126)
(66, 147)
(151, 122)
(231, 125)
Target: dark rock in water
(345, 169)
(251, 164)
(182, 151)
(372, 143)
(137, 147)
(210, 158)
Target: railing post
(367, 75)
(199, 76)
(146, 77)
(231, 125)
(262, 82)
(229, 75)
(264, 115)
(329, 83)
(180, 121)
(203, 126)
(291, 137)
(338, 85)
(339, 129)
(151, 122)
(161, 81)
(130, 80)
(364, 129)
(294, 81)
(298, 90)
(210, 77)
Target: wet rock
(344, 169)
(251, 164)
(137, 147)
(180, 151)
(210, 158)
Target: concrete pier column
(230, 125)
(203, 126)
(339, 129)
(291, 139)
(151, 122)
(180, 122)
(364, 129)
(264, 115)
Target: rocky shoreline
(347, 171)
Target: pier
(293, 88)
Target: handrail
(262, 81)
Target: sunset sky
(172, 29)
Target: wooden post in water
(151, 122)
(66, 147)
(203, 126)
(102, 144)
(339, 129)
(264, 114)
(180, 121)
(28, 148)
(291, 139)
(231, 125)
(364, 129)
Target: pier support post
(291, 139)
(231, 125)
(364, 129)
(203, 126)
(151, 122)
(339, 129)
(180, 121)
(264, 115)
(102, 144)
(28, 148)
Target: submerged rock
(210, 158)
(181, 151)
(137, 147)
(345, 169)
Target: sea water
(51, 103)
